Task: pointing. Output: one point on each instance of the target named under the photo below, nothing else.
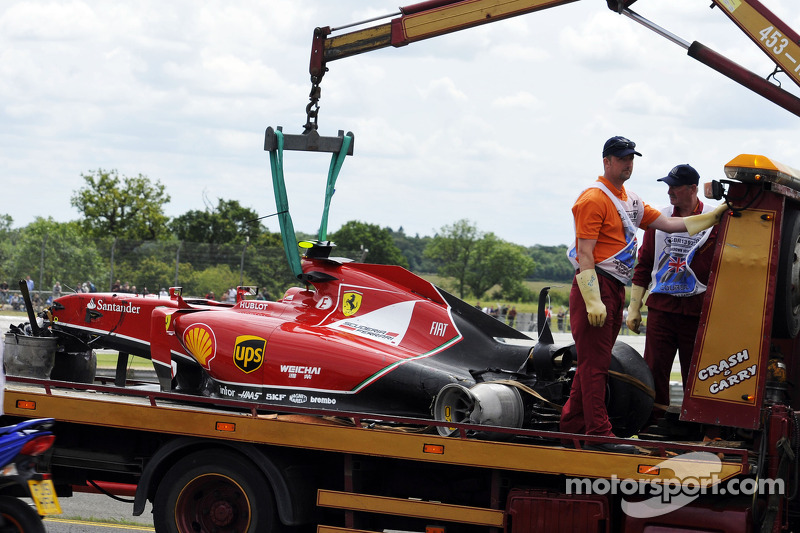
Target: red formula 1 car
(359, 338)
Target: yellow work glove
(590, 290)
(638, 296)
(697, 223)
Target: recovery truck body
(213, 464)
(210, 464)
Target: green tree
(378, 242)
(497, 262)
(5, 223)
(126, 207)
(8, 236)
(266, 264)
(478, 261)
(51, 251)
(551, 263)
(217, 279)
(228, 222)
(413, 249)
(453, 247)
(152, 274)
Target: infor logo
(248, 352)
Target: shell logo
(199, 340)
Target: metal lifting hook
(312, 109)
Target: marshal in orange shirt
(596, 218)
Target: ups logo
(248, 353)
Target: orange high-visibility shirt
(596, 218)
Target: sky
(502, 125)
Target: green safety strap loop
(337, 160)
(282, 204)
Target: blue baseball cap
(619, 147)
(681, 175)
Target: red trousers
(667, 333)
(585, 410)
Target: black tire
(77, 367)
(629, 406)
(215, 490)
(189, 379)
(786, 317)
(19, 517)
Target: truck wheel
(19, 517)
(77, 367)
(786, 318)
(628, 405)
(214, 490)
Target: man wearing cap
(607, 217)
(675, 269)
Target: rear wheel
(786, 318)
(629, 405)
(77, 367)
(17, 516)
(215, 491)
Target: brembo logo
(248, 352)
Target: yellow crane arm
(432, 18)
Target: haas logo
(248, 353)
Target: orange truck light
(226, 426)
(648, 469)
(26, 404)
(433, 448)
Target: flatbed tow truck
(346, 470)
(218, 464)
(213, 464)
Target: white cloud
(501, 124)
(642, 99)
(442, 89)
(521, 100)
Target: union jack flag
(677, 264)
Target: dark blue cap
(681, 175)
(619, 147)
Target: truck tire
(77, 367)
(19, 517)
(786, 318)
(629, 404)
(215, 490)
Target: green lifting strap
(282, 204)
(337, 160)
(274, 142)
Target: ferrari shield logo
(351, 303)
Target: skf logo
(351, 303)
(248, 352)
(201, 343)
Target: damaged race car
(354, 338)
(358, 338)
